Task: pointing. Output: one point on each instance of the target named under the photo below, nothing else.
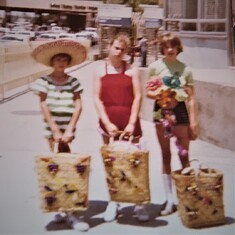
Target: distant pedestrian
(60, 97)
(171, 85)
(143, 45)
(117, 96)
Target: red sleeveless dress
(117, 96)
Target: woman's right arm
(151, 93)
(57, 135)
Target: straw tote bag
(200, 196)
(63, 181)
(127, 171)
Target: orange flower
(166, 99)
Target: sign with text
(113, 10)
(115, 21)
(153, 12)
(114, 15)
(152, 23)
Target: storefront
(73, 14)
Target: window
(213, 9)
(201, 16)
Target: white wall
(205, 53)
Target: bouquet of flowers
(169, 91)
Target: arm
(68, 134)
(151, 93)
(191, 103)
(57, 135)
(110, 127)
(136, 105)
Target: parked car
(57, 29)
(84, 34)
(13, 38)
(30, 34)
(67, 36)
(47, 37)
(93, 32)
(4, 31)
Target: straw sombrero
(46, 51)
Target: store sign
(113, 10)
(114, 15)
(153, 12)
(153, 16)
(115, 21)
(152, 23)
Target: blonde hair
(123, 38)
(174, 40)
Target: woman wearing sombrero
(60, 99)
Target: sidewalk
(21, 140)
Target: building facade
(206, 29)
(73, 13)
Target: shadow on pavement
(127, 216)
(229, 220)
(95, 208)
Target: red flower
(154, 83)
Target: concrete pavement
(21, 139)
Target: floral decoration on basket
(63, 181)
(200, 196)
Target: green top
(162, 68)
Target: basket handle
(199, 166)
(55, 147)
(121, 137)
(61, 147)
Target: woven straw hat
(46, 51)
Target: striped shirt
(59, 100)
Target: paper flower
(154, 83)
(173, 83)
(166, 99)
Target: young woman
(117, 96)
(60, 100)
(174, 76)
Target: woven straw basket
(200, 196)
(127, 172)
(63, 182)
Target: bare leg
(166, 169)
(182, 135)
(165, 149)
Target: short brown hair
(174, 40)
(122, 37)
(61, 55)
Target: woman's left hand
(129, 130)
(67, 136)
(193, 132)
